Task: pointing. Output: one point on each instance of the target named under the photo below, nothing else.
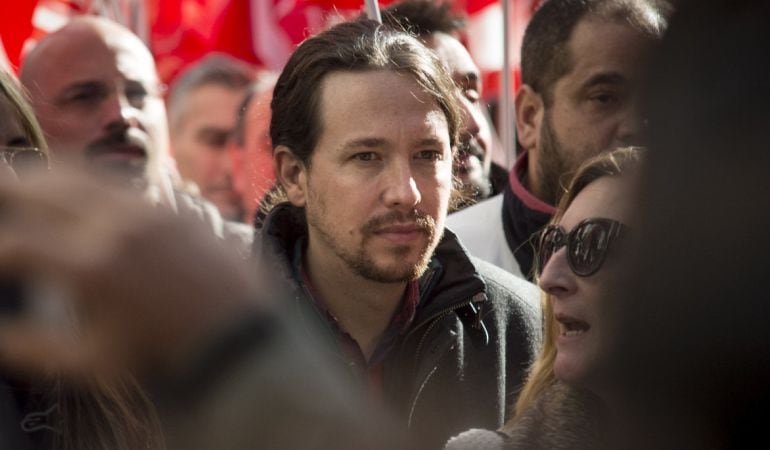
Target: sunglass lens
(589, 247)
(549, 244)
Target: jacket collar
(451, 279)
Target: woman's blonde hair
(614, 163)
(10, 88)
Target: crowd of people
(333, 257)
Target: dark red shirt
(399, 324)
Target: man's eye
(472, 95)
(86, 96)
(136, 95)
(604, 98)
(216, 140)
(430, 155)
(365, 156)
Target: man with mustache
(364, 125)
(95, 89)
(580, 66)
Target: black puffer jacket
(466, 353)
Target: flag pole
(507, 113)
(373, 10)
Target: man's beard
(360, 262)
(552, 164)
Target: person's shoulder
(238, 236)
(477, 214)
(513, 301)
(505, 285)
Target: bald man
(94, 87)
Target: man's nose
(118, 112)
(400, 189)
(631, 127)
(471, 117)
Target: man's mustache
(471, 147)
(112, 140)
(419, 219)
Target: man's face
(97, 97)
(474, 152)
(200, 142)
(594, 107)
(377, 189)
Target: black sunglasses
(587, 244)
(24, 159)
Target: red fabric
(529, 200)
(16, 27)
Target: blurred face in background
(95, 90)
(201, 140)
(474, 146)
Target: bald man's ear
(292, 174)
(530, 111)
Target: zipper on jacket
(434, 320)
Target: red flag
(16, 26)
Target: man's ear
(530, 111)
(292, 174)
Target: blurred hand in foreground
(107, 280)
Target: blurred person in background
(580, 67)
(439, 29)
(252, 152)
(202, 109)
(561, 405)
(692, 353)
(94, 87)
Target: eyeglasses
(587, 244)
(23, 159)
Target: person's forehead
(213, 103)
(608, 197)
(372, 101)
(603, 46)
(88, 56)
(452, 54)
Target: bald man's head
(95, 90)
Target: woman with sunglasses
(560, 405)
